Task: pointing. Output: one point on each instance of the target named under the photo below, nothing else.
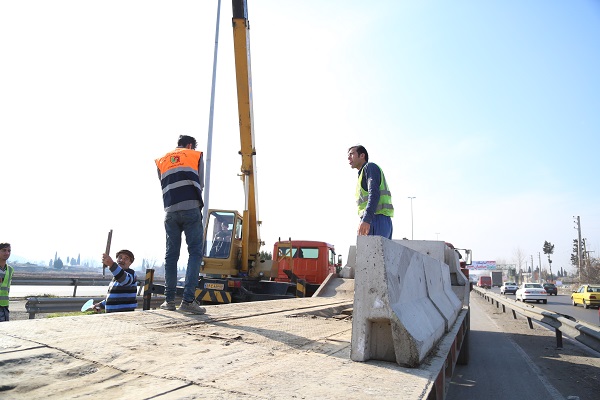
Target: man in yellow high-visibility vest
(373, 196)
(6, 273)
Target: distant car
(551, 289)
(587, 295)
(531, 291)
(508, 287)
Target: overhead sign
(482, 265)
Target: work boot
(168, 305)
(192, 307)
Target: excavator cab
(222, 243)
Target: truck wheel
(544, 301)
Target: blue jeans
(190, 223)
(381, 225)
(4, 314)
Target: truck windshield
(299, 252)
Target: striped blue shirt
(122, 291)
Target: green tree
(265, 256)
(548, 250)
(575, 254)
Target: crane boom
(243, 72)
(232, 241)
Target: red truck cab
(307, 259)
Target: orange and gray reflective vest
(384, 206)
(180, 179)
(5, 285)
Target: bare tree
(519, 258)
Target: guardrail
(45, 305)
(584, 333)
(75, 282)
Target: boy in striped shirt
(122, 290)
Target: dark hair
(4, 245)
(360, 149)
(184, 140)
(126, 253)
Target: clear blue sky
(485, 112)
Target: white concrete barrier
(348, 269)
(394, 319)
(440, 251)
(439, 291)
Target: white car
(531, 291)
(508, 287)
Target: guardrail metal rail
(75, 282)
(46, 305)
(583, 332)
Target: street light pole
(412, 225)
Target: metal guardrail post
(147, 293)
(75, 282)
(559, 343)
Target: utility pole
(539, 267)
(579, 246)
(532, 270)
(589, 260)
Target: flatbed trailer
(257, 350)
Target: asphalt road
(508, 360)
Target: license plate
(214, 286)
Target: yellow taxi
(586, 295)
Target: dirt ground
(572, 369)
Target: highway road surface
(508, 360)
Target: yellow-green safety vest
(384, 206)
(5, 286)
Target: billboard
(482, 265)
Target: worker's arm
(123, 277)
